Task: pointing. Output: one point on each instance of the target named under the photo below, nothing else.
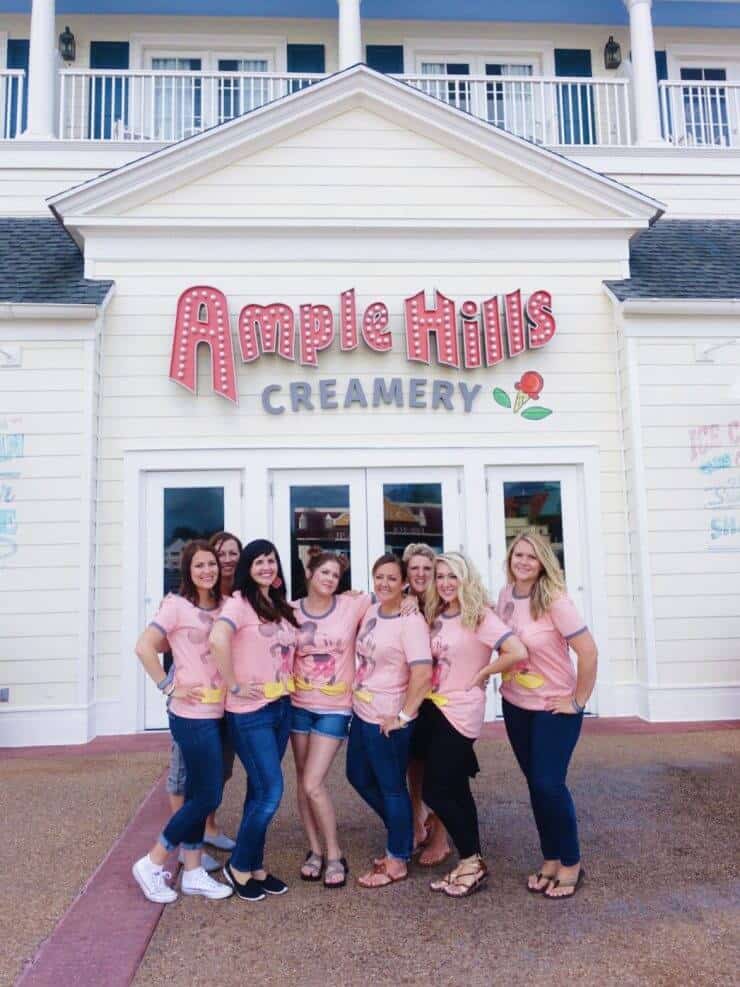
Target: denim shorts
(326, 724)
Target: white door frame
(256, 463)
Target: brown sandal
(380, 868)
(539, 876)
(479, 873)
(555, 883)
(441, 882)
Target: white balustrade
(163, 106)
(550, 111)
(700, 114)
(12, 89)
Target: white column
(350, 33)
(644, 74)
(42, 72)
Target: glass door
(544, 498)
(412, 505)
(179, 507)
(320, 511)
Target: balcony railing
(549, 111)
(169, 105)
(700, 114)
(163, 106)
(12, 103)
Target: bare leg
(299, 742)
(321, 753)
(415, 779)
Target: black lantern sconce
(612, 54)
(67, 45)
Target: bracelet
(161, 685)
(578, 708)
(404, 717)
(234, 690)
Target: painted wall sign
(473, 336)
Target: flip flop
(566, 884)
(540, 877)
(380, 868)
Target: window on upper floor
(705, 105)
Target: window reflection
(189, 512)
(537, 505)
(319, 522)
(412, 512)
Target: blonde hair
(419, 548)
(550, 583)
(471, 592)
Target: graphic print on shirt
(365, 653)
(281, 650)
(197, 636)
(521, 672)
(441, 663)
(318, 666)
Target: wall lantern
(67, 45)
(612, 54)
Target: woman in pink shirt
(196, 696)
(543, 704)
(393, 674)
(253, 642)
(324, 669)
(465, 632)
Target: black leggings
(449, 764)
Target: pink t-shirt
(324, 665)
(459, 653)
(187, 628)
(386, 648)
(261, 652)
(549, 672)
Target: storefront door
(545, 498)
(360, 514)
(180, 506)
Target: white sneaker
(207, 862)
(153, 881)
(198, 882)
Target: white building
(502, 281)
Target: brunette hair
(419, 548)
(550, 583)
(188, 589)
(390, 559)
(217, 540)
(471, 592)
(277, 607)
(318, 560)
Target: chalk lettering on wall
(714, 450)
(11, 449)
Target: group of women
(399, 674)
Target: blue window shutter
(306, 58)
(385, 58)
(17, 58)
(661, 65)
(109, 97)
(576, 108)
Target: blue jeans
(376, 769)
(260, 739)
(543, 744)
(200, 744)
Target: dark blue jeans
(260, 740)
(376, 769)
(200, 743)
(543, 744)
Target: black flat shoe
(250, 890)
(272, 885)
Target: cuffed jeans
(260, 739)
(200, 744)
(376, 769)
(543, 744)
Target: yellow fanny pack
(212, 695)
(437, 699)
(527, 680)
(364, 695)
(274, 690)
(338, 689)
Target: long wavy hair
(550, 583)
(188, 589)
(277, 606)
(471, 592)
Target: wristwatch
(404, 717)
(576, 705)
(234, 690)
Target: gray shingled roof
(41, 264)
(684, 258)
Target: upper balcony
(166, 106)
